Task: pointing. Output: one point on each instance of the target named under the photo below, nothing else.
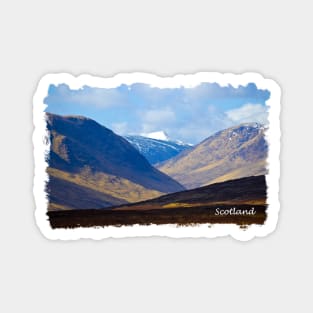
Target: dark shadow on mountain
(197, 206)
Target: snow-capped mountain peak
(159, 135)
(156, 147)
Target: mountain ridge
(156, 150)
(90, 155)
(189, 207)
(227, 192)
(235, 152)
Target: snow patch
(159, 135)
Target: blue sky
(186, 114)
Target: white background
(272, 274)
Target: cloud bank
(187, 114)
(249, 113)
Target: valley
(98, 178)
(105, 167)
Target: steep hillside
(236, 152)
(85, 154)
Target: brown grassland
(196, 206)
(179, 216)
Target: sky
(186, 114)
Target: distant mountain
(198, 205)
(92, 167)
(157, 150)
(236, 152)
(160, 135)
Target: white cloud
(98, 97)
(249, 113)
(202, 124)
(157, 116)
(187, 114)
(157, 119)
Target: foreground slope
(88, 157)
(232, 153)
(187, 207)
(243, 191)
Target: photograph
(185, 152)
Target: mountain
(91, 167)
(156, 150)
(160, 135)
(236, 152)
(242, 191)
(198, 205)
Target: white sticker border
(42, 147)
